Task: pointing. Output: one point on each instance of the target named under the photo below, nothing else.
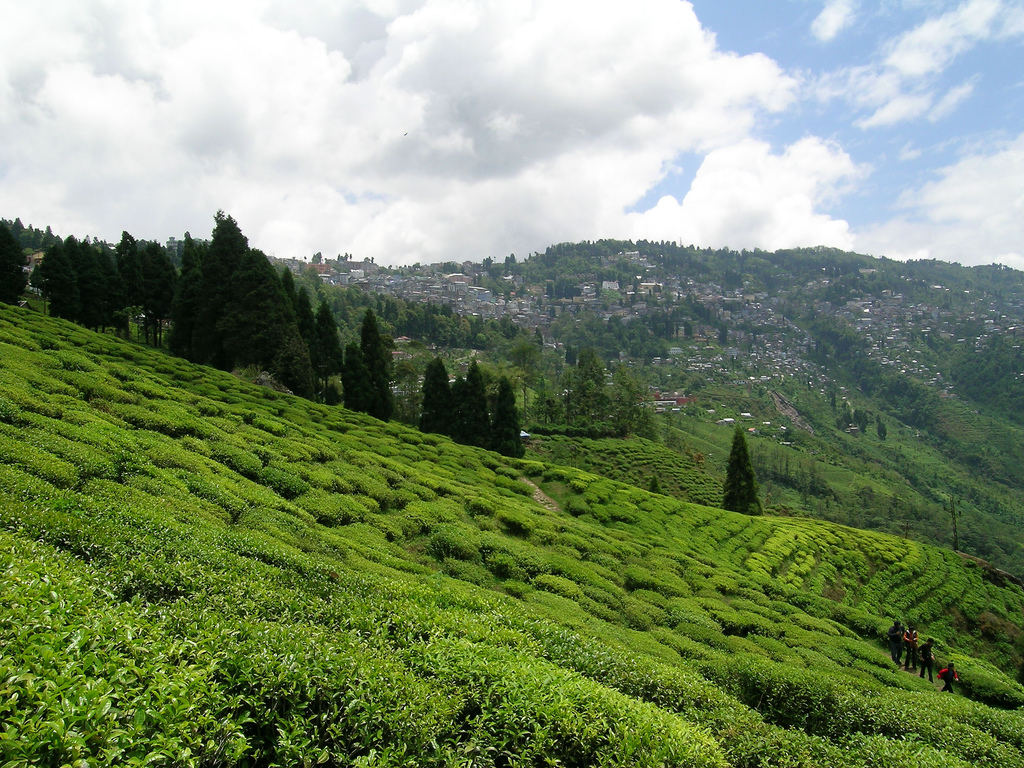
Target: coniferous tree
(504, 431)
(158, 284)
(586, 399)
(59, 283)
(628, 405)
(92, 284)
(12, 267)
(377, 359)
(304, 316)
(739, 493)
(471, 425)
(288, 283)
(436, 414)
(258, 328)
(355, 380)
(113, 293)
(129, 268)
(326, 352)
(228, 247)
(185, 305)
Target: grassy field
(199, 571)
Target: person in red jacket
(947, 676)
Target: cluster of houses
(761, 344)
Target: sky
(447, 130)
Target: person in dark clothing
(895, 635)
(947, 676)
(927, 657)
(910, 648)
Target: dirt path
(542, 498)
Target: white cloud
(395, 129)
(909, 152)
(930, 47)
(836, 16)
(902, 84)
(954, 96)
(898, 109)
(744, 196)
(973, 213)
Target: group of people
(904, 648)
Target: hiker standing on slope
(927, 657)
(895, 635)
(910, 647)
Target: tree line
(461, 409)
(231, 309)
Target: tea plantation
(201, 572)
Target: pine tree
(436, 414)
(739, 493)
(12, 267)
(377, 358)
(504, 432)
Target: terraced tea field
(198, 571)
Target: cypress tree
(158, 284)
(92, 284)
(59, 282)
(129, 269)
(12, 267)
(436, 414)
(185, 304)
(588, 400)
(739, 492)
(304, 317)
(471, 423)
(227, 248)
(504, 433)
(258, 328)
(325, 352)
(288, 283)
(377, 359)
(355, 380)
(113, 293)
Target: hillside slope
(198, 571)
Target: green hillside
(200, 571)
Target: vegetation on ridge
(198, 571)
